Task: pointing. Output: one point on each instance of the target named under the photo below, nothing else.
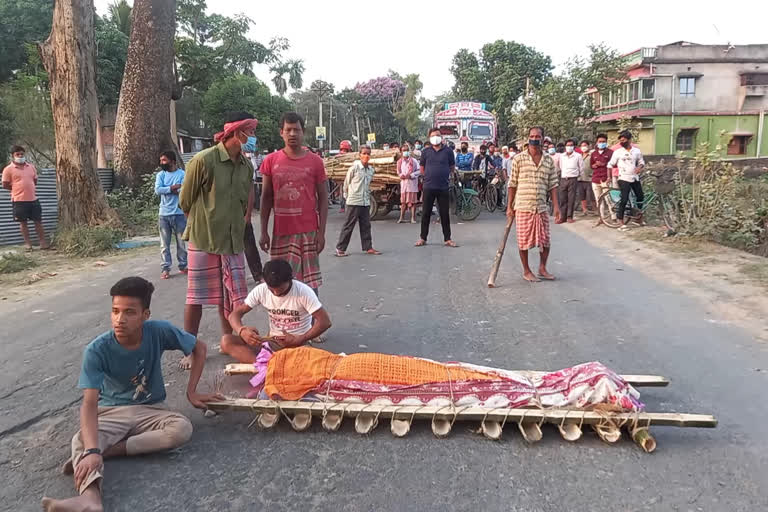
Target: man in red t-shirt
(295, 186)
(20, 178)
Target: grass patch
(756, 272)
(16, 262)
(84, 241)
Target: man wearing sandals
(171, 220)
(123, 413)
(357, 190)
(532, 176)
(438, 164)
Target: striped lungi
(532, 230)
(300, 251)
(216, 279)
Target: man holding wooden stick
(532, 176)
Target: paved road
(428, 302)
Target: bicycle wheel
(470, 208)
(491, 198)
(670, 212)
(607, 205)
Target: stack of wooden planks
(384, 162)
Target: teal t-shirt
(132, 377)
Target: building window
(738, 145)
(754, 79)
(688, 87)
(634, 91)
(649, 89)
(686, 139)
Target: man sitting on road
(292, 307)
(123, 392)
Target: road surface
(430, 302)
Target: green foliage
(21, 22)
(11, 262)
(718, 204)
(111, 52)
(28, 101)
(85, 241)
(498, 76)
(137, 208)
(409, 111)
(6, 129)
(246, 93)
(120, 16)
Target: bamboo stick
(647, 381)
(499, 255)
(556, 416)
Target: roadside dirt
(731, 284)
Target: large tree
(68, 55)
(143, 127)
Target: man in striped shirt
(532, 176)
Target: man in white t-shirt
(630, 163)
(295, 314)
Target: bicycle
(608, 203)
(467, 205)
(487, 192)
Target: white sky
(345, 42)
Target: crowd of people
(208, 209)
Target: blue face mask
(406, 154)
(602, 145)
(552, 151)
(250, 145)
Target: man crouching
(123, 392)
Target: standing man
(464, 158)
(532, 176)
(601, 179)
(570, 168)
(171, 220)
(629, 160)
(295, 187)
(20, 178)
(217, 197)
(438, 165)
(584, 185)
(357, 190)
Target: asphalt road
(430, 302)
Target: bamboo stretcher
(607, 423)
(647, 381)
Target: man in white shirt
(571, 164)
(630, 163)
(296, 315)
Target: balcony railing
(628, 106)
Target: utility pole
(320, 143)
(320, 95)
(330, 122)
(527, 85)
(357, 125)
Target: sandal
(450, 243)
(165, 275)
(373, 252)
(341, 254)
(420, 243)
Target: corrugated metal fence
(46, 193)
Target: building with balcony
(684, 94)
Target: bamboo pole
(499, 255)
(647, 381)
(555, 416)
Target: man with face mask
(357, 190)
(217, 198)
(438, 165)
(601, 179)
(629, 161)
(571, 165)
(171, 219)
(20, 178)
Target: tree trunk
(101, 154)
(69, 56)
(142, 129)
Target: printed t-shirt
(294, 183)
(291, 313)
(132, 377)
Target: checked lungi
(300, 251)
(216, 279)
(532, 230)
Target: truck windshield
(480, 131)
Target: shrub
(137, 206)
(15, 262)
(86, 241)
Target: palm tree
(120, 15)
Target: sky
(345, 42)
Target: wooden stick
(648, 381)
(499, 255)
(555, 416)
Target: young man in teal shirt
(123, 392)
(171, 219)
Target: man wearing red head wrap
(217, 198)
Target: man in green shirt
(217, 198)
